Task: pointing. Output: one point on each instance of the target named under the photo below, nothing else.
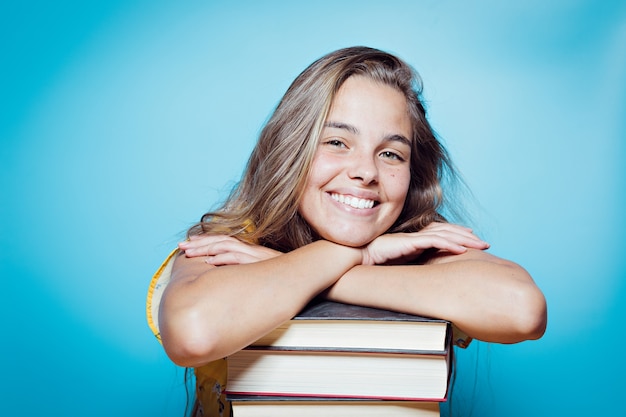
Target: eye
(335, 142)
(392, 155)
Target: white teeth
(355, 202)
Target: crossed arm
(225, 294)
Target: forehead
(371, 105)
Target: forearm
(488, 298)
(210, 312)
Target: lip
(355, 201)
(355, 192)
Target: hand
(404, 246)
(225, 250)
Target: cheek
(323, 169)
(319, 175)
(399, 185)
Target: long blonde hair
(263, 207)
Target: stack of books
(336, 359)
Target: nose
(364, 169)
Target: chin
(353, 242)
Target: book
(335, 326)
(255, 406)
(408, 376)
(341, 351)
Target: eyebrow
(344, 126)
(353, 129)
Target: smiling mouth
(354, 202)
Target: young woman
(341, 198)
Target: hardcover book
(255, 406)
(321, 373)
(333, 326)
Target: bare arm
(209, 312)
(489, 298)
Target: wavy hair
(263, 206)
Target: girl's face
(361, 170)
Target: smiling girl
(341, 198)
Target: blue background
(123, 121)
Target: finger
(210, 238)
(201, 240)
(445, 224)
(230, 258)
(456, 240)
(448, 226)
(448, 245)
(209, 245)
(459, 235)
(216, 248)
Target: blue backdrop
(123, 121)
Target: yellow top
(210, 378)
